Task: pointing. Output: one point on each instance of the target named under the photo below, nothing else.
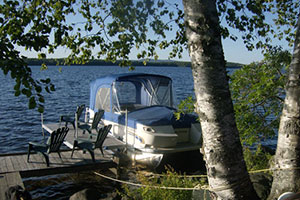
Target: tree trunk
(287, 157)
(226, 169)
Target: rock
(87, 194)
(111, 196)
(17, 192)
(262, 183)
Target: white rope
(197, 187)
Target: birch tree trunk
(226, 169)
(287, 157)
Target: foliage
(256, 160)
(27, 25)
(12, 64)
(104, 29)
(169, 179)
(185, 106)
(258, 93)
(252, 20)
(110, 30)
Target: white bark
(226, 169)
(287, 155)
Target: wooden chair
(53, 144)
(90, 145)
(73, 118)
(94, 126)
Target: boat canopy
(130, 91)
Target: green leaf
(47, 89)
(32, 103)
(17, 93)
(52, 88)
(44, 67)
(41, 99)
(41, 56)
(41, 108)
(38, 89)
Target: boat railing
(89, 115)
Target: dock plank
(3, 167)
(3, 186)
(15, 163)
(18, 160)
(9, 164)
(37, 160)
(25, 165)
(29, 164)
(14, 179)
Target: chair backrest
(102, 134)
(56, 139)
(79, 111)
(97, 118)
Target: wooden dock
(14, 167)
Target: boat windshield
(139, 92)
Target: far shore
(158, 63)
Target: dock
(14, 167)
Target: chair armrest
(85, 140)
(38, 144)
(68, 117)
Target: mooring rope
(197, 187)
(250, 172)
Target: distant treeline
(165, 63)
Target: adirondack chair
(89, 145)
(94, 126)
(72, 118)
(53, 144)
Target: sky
(234, 51)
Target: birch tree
(287, 159)
(226, 169)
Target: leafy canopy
(89, 29)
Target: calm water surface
(19, 125)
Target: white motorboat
(140, 108)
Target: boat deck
(113, 143)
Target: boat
(140, 108)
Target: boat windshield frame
(141, 91)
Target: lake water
(19, 125)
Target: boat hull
(187, 161)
